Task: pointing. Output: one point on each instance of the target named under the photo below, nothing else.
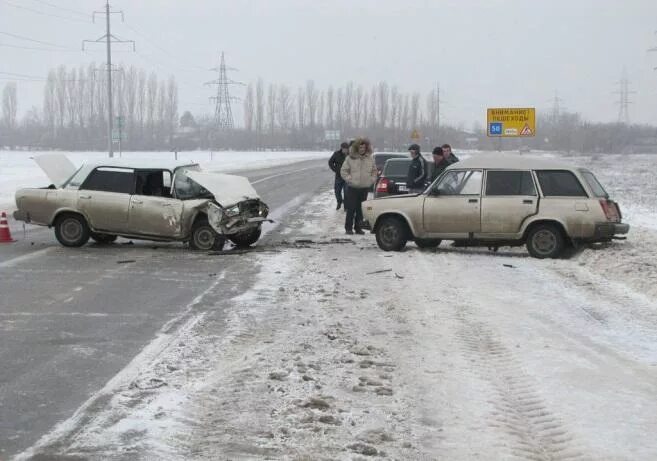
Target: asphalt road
(70, 319)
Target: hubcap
(71, 229)
(389, 234)
(544, 241)
(204, 239)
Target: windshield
(594, 184)
(185, 188)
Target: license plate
(402, 188)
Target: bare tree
(130, 89)
(329, 108)
(81, 96)
(383, 106)
(358, 106)
(373, 114)
(415, 110)
(260, 109)
(301, 108)
(348, 105)
(405, 115)
(321, 104)
(60, 93)
(248, 108)
(339, 109)
(9, 105)
(151, 104)
(311, 102)
(271, 108)
(141, 102)
(171, 112)
(366, 110)
(284, 108)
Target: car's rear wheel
(103, 238)
(71, 230)
(545, 241)
(391, 234)
(245, 239)
(427, 243)
(204, 237)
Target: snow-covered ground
(17, 169)
(342, 351)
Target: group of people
(355, 174)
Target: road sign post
(509, 122)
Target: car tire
(71, 230)
(545, 241)
(427, 243)
(103, 238)
(204, 237)
(391, 234)
(246, 239)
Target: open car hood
(57, 167)
(227, 189)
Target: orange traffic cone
(5, 235)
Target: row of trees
(74, 112)
(74, 116)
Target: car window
(460, 182)
(560, 183)
(595, 185)
(396, 168)
(510, 183)
(156, 183)
(109, 179)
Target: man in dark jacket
(442, 158)
(335, 163)
(417, 171)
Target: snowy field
(342, 351)
(17, 169)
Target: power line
(57, 50)
(52, 5)
(21, 37)
(68, 18)
(223, 113)
(19, 75)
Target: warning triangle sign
(526, 131)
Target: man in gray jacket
(359, 172)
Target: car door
(152, 209)
(104, 198)
(452, 207)
(509, 198)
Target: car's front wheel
(103, 238)
(71, 230)
(204, 237)
(391, 234)
(245, 239)
(427, 243)
(545, 241)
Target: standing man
(335, 164)
(442, 158)
(417, 171)
(359, 171)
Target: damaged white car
(150, 200)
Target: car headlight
(263, 210)
(232, 211)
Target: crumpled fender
(215, 215)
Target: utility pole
(624, 101)
(437, 111)
(223, 113)
(108, 38)
(556, 108)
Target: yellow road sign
(415, 135)
(509, 122)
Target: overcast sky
(483, 53)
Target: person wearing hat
(417, 171)
(335, 164)
(359, 171)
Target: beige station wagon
(495, 201)
(150, 200)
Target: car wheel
(427, 243)
(71, 230)
(204, 237)
(246, 239)
(545, 241)
(103, 238)
(391, 234)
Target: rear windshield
(380, 159)
(594, 184)
(396, 168)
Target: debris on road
(126, 261)
(378, 272)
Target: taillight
(610, 210)
(383, 185)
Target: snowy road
(71, 319)
(339, 350)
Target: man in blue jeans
(335, 163)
